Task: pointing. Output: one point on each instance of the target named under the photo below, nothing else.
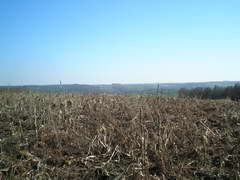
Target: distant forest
(14, 90)
(232, 92)
(202, 90)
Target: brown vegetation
(56, 136)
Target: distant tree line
(232, 92)
(13, 89)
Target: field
(66, 136)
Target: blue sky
(118, 41)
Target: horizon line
(93, 84)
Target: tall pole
(157, 89)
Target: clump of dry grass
(56, 136)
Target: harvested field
(64, 136)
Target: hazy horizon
(62, 83)
(127, 42)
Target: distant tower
(60, 85)
(62, 88)
(158, 89)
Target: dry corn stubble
(65, 136)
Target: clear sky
(118, 41)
